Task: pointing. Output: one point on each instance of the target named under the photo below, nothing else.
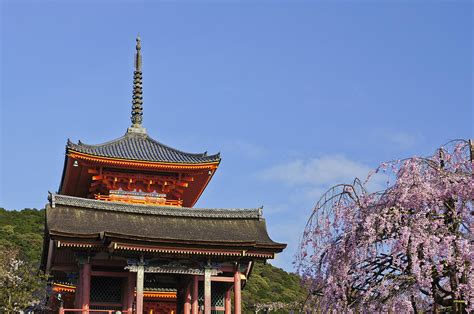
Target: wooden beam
(182, 184)
(218, 279)
(109, 274)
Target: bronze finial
(137, 101)
(138, 56)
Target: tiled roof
(216, 213)
(78, 218)
(140, 147)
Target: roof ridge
(81, 143)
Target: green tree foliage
(21, 284)
(21, 238)
(269, 286)
(23, 230)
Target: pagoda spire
(137, 100)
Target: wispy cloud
(398, 139)
(317, 171)
(319, 174)
(245, 148)
(309, 178)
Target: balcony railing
(154, 201)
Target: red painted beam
(109, 274)
(218, 279)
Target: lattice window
(106, 289)
(217, 295)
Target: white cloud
(245, 148)
(304, 181)
(316, 175)
(317, 171)
(402, 140)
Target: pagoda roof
(141, 147)
(78, 218)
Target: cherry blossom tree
(21, 284)
(408, 248)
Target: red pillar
(237, 296)
(140, 282)
(78, 293)
(228, 305)
(130, 292)
(86, 286)
(187, 300)
(207, 291)
(194, 305)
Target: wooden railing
(134, 200)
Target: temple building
(121, 233)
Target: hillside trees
(408, 248)
(21, 283)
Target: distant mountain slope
(24, 230)
(269, 285)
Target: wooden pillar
(86, 286)
(187, 299)
(227, 304)
(207, 290)
(78, 293)
(195, 295)
(140, 282)
(237, 295)
(130, 292)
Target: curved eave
(117, 162)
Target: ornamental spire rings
(137, 100)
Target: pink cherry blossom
(407, 248)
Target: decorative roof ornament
(137, 100)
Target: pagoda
(121, 233)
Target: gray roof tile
(135, 146)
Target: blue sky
(297, 96)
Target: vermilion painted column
(86, 285)
(194, 301)
(228, 305)
(237, 295)
(207, 291)
(140, 282)
(130, 292)
(187, 300)
(78, 294)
